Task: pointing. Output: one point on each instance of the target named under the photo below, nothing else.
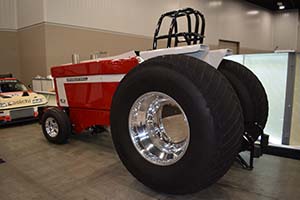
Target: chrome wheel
(159, 128)
(51, 127)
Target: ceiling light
(215, 3)
(252, 12)
(281, 7)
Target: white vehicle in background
(17, 102)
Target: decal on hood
(20, 101)
(11, 94)
(8, 81)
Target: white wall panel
(30, 12)
(235, 20)
(130, 16)
(8, 13)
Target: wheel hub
(159, 128)
(51, 127)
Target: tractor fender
(199, 51)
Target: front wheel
(176, 124)
(56, 126)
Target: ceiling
(272, 4)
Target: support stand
(256, 149)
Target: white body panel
(200, 52)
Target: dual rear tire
(252, 96)
(173, 97)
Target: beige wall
(235, 20)
(61, 28)
(30, 12)
(32, 52)
(63, 41)
(254, 27)
(295, 130)
(130, 16)
(39, 47)
(8, 14)
(298, 48)
(9, 53)
(286, 30)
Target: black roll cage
(189, 37)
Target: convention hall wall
(39, 34)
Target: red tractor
(177, 115)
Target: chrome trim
(51, 127)
(159, 128)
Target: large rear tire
(251, 93)
(159, 91)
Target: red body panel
(8, 79)
(83, 118)
(93, 68)
(89, 102)
(90, 95)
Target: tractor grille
(22, 113)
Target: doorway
(227, 44)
